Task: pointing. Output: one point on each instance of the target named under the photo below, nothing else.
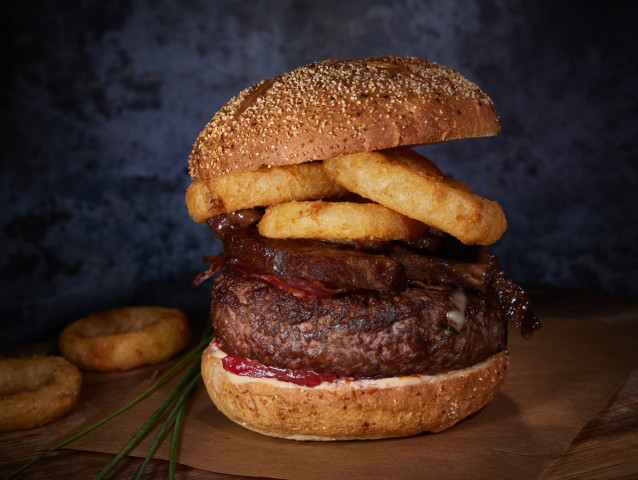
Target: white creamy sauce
(217, 352)
(341, 382)
(456, 317)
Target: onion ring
(337, 220)
(420, 163)
(125, 338)
(36, 390)
(419, 195)
(266, 186)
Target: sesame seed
(333, 100)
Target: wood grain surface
(606, 448)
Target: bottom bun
(352, 409)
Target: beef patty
(423, 329)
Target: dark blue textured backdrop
(101, 102)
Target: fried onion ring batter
(420, 195)
(337, 220)
(420, 163)
(266, 186)
(125, 338)
(36, 390)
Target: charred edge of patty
(422, 330)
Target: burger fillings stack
(355, 298)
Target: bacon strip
(217, 264)
(299, 287)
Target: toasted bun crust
(366, 409)
(333, 107)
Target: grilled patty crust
(422, 330)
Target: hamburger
(355, 297)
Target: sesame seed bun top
(333, 107)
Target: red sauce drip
(248, 368)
